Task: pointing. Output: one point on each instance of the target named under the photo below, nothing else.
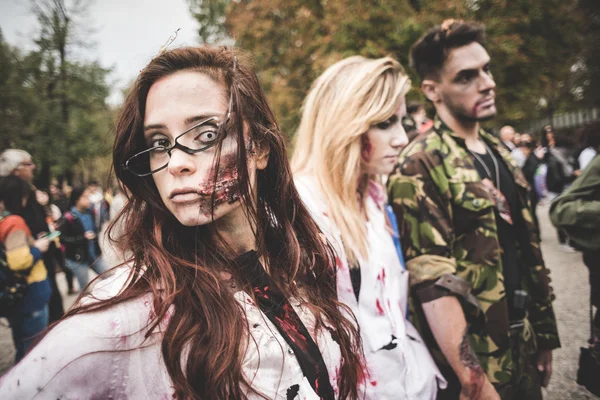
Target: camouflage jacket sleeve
(418, 191)
(540, 310)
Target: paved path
(570, 281)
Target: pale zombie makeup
(226, 186)
(467, 86)
(382, 143)
(186, 186)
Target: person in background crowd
(589, 152)
(20, 164)
(108, 197)
(530, 167)
(58, 198)
(517, 140)
(230, 293)
(80, 238)
(577, 213)
(53, 213)
(409, 123)
(24, 256)
(53, 218)
(350, 136)
(61, 200)
(110, 251)
(482, 298)
(560, 173)
(118, 202)
(415, 121)
(507, 136)
(519, 154)
(98, 204)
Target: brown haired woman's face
(175, 104)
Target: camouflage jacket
(447, 225)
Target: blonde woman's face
(382, 143)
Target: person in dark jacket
(577, 212)
(80, 238)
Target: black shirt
(508, 234)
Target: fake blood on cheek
(366, 148)
(226, 187)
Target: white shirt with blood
(103, 355)
(406, 371)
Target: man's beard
(463, 115)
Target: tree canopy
(52, 104)
(537, 48)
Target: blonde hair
(343, 103)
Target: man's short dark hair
(429, 53)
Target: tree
(590, 77)
(211, 18)
(534, 45)
(53, 104)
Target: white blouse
(406, 370)
(77, 359)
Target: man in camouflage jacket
(448, 218)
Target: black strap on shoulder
(281, 313)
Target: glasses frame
(178, 145)
(175, 145)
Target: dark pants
(591, 260)
(26, 328)
(55, 305)
(562, 236)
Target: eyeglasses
(200, 137)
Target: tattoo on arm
(470, 361)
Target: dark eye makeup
(387, 123)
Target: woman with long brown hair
(230, 291)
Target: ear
(430, 90)
(262, 155)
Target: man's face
(464, 86)
(25, 170)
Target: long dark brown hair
(181, 266)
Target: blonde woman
(349, 138)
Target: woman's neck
(236, 231)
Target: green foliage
(51, 104)
(534, 45)
(211, 18)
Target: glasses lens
(202, 136)
(148, 161)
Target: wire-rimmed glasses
(198, 138)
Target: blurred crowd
(62, 226)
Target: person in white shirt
(349, 137)
(586, 156)
(230, 291)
